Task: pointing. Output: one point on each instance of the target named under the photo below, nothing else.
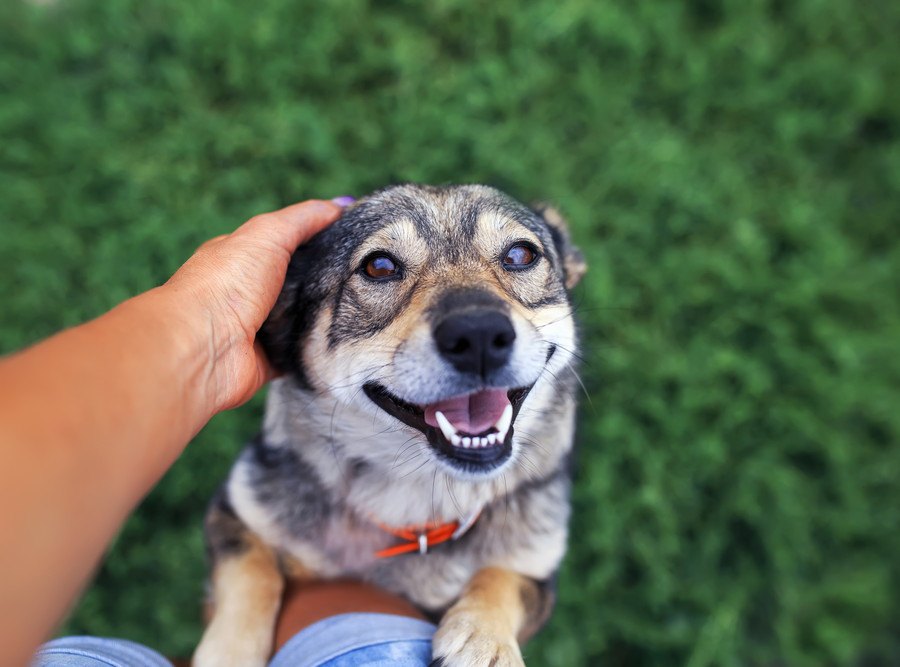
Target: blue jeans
(348, 640)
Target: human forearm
(92, 417)
(89, 421)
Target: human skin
(92, 417)
(307, 603)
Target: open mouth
(472, 431)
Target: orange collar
(424, 536)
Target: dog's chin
(481, 446)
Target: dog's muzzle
(471, 432)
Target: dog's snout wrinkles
(476, 342)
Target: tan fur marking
(483, 626)
(537, 606)
(400, 238)
(247, 591)
(496, 592)
(494, 231)
(546, 315)
(296, 570)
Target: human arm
(91, 418)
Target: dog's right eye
(379, 266)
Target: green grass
(731, 170)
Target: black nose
(478, 341)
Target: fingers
(293, 225)
(236, 279)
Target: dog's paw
(220, 652)
(468, 640)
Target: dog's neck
(380, 471)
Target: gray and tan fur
(303, 499)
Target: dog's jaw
(465, 459)
(469, 455)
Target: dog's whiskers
(530, 465)
(531, 440)
(447, 482)
(402, 449)
(410, 459)
(427, 460)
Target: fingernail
(344, 200)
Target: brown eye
(381, 267)
(519, 256)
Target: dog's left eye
(519, 256)
(380, 266)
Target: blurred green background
(731, 169)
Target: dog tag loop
(464, 526)
(423, 543)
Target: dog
(420, 434)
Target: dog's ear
(281, 333)
(574, 265)
(286, 328)
(278, 333)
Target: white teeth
(446, 427)
(503, 423)
(457, 440)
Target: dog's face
(441, 309)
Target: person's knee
(96, 652)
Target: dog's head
(441, 308)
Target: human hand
(229, 285)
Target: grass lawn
(731, 169)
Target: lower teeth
(469, 441)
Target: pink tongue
(470, 414)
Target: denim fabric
(348, 640)
(96, 652)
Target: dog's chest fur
(291, 488)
